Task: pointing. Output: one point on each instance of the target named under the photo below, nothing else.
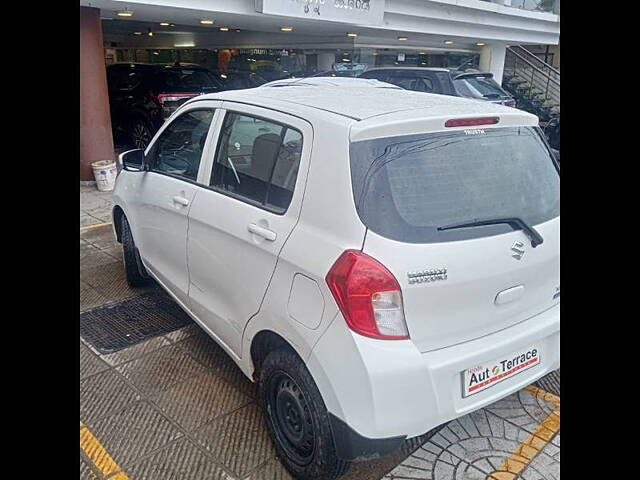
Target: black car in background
(481, 86)
(552, 131)
(142, 96)
(238, 79)
(430, 80)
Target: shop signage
(266, 51)
(356, 12)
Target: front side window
(257, 160)
(380, 75)
(178, 150)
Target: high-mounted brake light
(368, 296)
(470, 122)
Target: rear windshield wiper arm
(515, 222)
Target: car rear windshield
(186, 80)
(406, 187)
(479, 87)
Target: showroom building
(276, 38)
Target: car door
(165, 194)
(239, 223)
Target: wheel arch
(264, 342)
(117, 215)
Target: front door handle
(262, 232)
(181, 200)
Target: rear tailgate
(468, 301)
(461, 283)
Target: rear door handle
(262, 232)
(181, 200)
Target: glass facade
(272, 64)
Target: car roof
(336, 81)
(421, 69)
(355, 99)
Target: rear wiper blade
(515, 222)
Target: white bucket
(105, 173)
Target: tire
(141, 133)
(297, 418)
(135, 272)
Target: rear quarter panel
(328, 224)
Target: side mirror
(133, 160)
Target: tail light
(368, 296)
(173, 97)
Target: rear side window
(406, 80)
(406, 187)
(445, 83)
(425, 84)
(257, 160)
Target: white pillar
(492, 60)
(326, 61)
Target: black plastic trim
(352, 446)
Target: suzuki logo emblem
(518, 250)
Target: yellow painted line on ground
(549, 397)
(98, 455)
(534, 443)
(95, 225)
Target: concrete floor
(176, 407)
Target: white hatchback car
(381, 261)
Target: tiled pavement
(176, 407)
(95, 206)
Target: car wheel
(297, 418)
(135, 272)
(141, 133)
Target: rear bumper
(388, 390)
